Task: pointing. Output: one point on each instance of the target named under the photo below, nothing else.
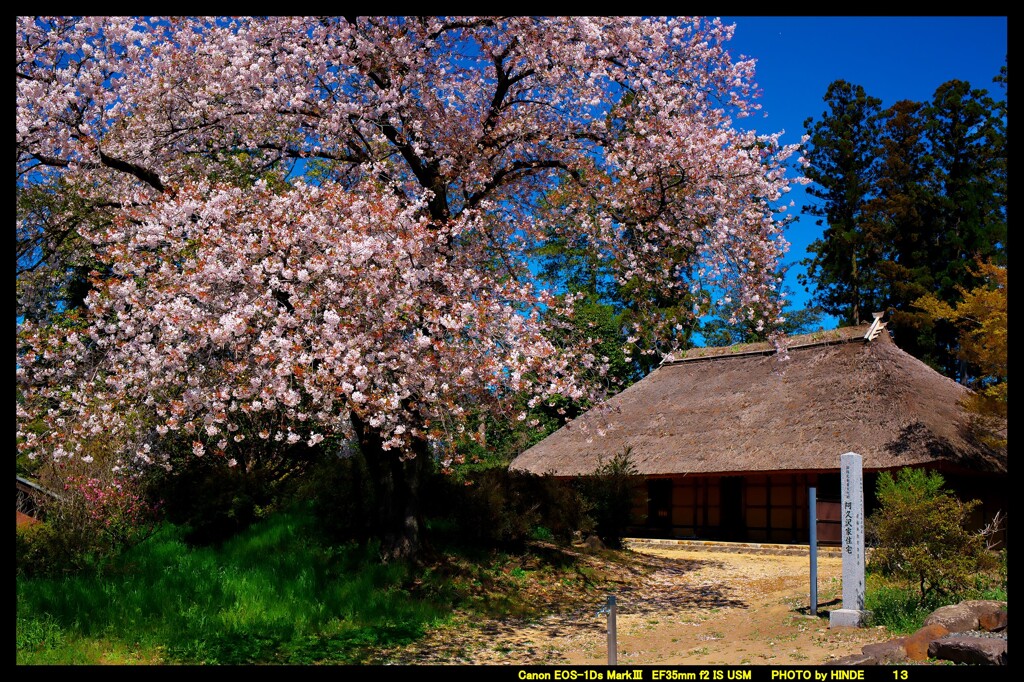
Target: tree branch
(144, 174)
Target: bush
(116, 505)
(609, 493)
(901, 609)
(498, 507)
(495, 508)
(213, 503)
(217, 501)
(43, 549)
(922, 537)
(93, 513)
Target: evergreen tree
(842, 153)
(902, 218)
(941, 199)
(911, 197)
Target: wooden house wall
(771, 508)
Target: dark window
(659, 502)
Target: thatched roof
(747, 409)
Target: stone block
(966, 615)
(848, 618)
(993, 622)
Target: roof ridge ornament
(876, 327)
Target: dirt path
(696, 608)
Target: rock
(970, 650)
(593, 542)
(916, 645)
(887, 653)
(966, 615)
(993, 622)
(934, 640)
(855, 659)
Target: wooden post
(813, 504)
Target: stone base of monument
(848, 618)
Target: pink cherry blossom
(393, 290)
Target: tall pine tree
(842, 155)
(910, 197)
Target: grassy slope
(275, 594)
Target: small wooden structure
(28, 501)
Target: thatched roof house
(731, 438)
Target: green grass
(279, 594)
(274, 594)
(902, 611)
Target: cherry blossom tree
(317, 228)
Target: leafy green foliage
(54, 260)
(217, 501)
(609, 493)
(900, 609)
(500, 437)
(623, 313)
(720, 332)
(342, 496)
(90, 515)
(498, 507)
(214, 502)
(922, 534)
(44, 549)
(279, 592)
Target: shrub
(609, 492)
(217, 500)
(215, 504)
(498, 506)
(342, 495)
(901, 609)
(94, 511)
(43, 549)
(116, 506)
(922, 536)
(507, 508)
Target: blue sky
(894, 58)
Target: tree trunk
(397, 519)
(855, 310)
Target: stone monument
(852, 483)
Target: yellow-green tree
(980, 317)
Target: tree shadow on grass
(643, 585)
